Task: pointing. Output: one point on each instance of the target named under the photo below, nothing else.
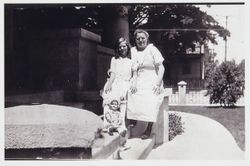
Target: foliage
(30, 16)
(226, 84)
(175, 126)
(182, 26)
(231, 118)
(209, 68)
(242, 73)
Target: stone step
(106, 146)
(135, 149)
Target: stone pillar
(115, 25)
(161, 128)
(182, 92)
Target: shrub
(226, 84)
(175, 125)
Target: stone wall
(103, 63)
(64, 59)
(55, 60)
(36, 98)
(70, 60)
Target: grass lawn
(232, 118)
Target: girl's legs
(132, 123)
(106, 118)
(148, 130)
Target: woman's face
(141, 41)
(123, 49)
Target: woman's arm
(161, 71)
(158, 83)
(111, 75)
(134, 82)
(110, 82)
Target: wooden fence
(191, 83)
(196, 98)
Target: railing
(196, 98)
(191, 83)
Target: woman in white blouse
(146, 97)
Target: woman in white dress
(146, 97)
(116, 88)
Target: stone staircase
(105, 147)
(138, 149)
(133, 147)
(118, 148)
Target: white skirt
(144, 106)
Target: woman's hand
(109, 73)
(156, 90)
(133, 88)
(108, 88)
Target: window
(186, 68)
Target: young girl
(116, 88)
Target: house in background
(48, 61)
(188, 67)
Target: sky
(236, 24)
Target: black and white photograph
(89, 81)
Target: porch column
(115, 25)
(182, 92)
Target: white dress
(122, 68)
(144, 104)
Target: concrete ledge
(49, 126)
(66, 33)
(105, 50)
(48, 97)
(90, 36)
(109, 145)
(203, 139)
(138, 149)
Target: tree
(115, 24)
(242, 73)
(210, 65)
(226, 85)
(182, 26)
